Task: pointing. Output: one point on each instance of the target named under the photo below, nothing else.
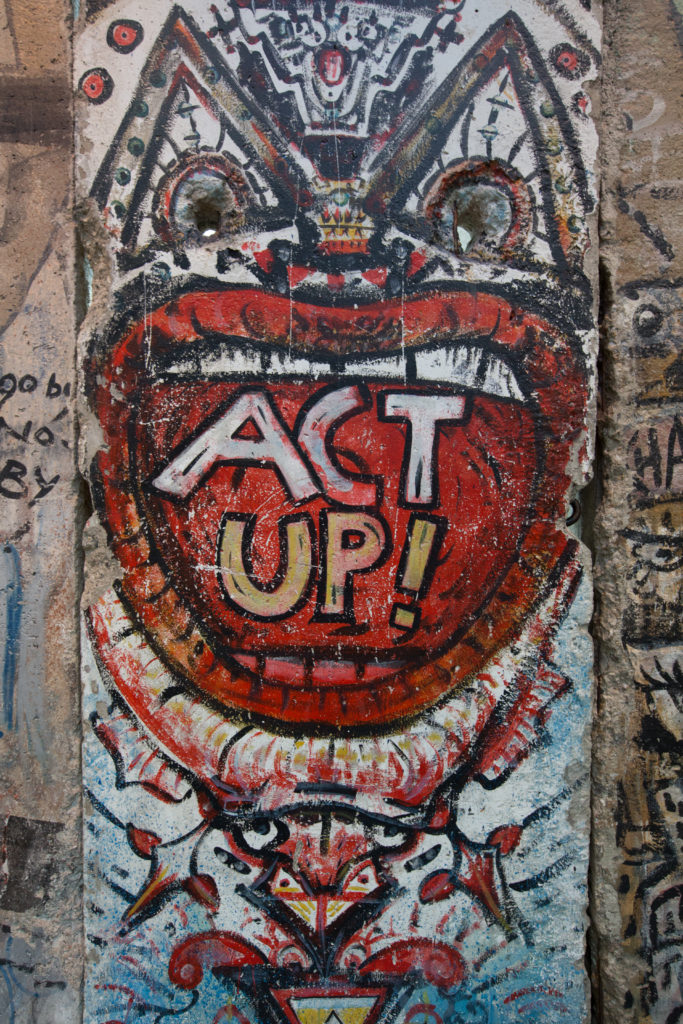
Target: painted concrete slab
(338, 374)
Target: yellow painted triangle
(305, 909)
(327, 1010)
(335, 909)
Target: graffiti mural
(650, 798)
(337, 374)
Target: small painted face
(317, 870)
(328, 879)
(340, 895)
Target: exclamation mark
(416, 568)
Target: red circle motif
(96, 85)
(124, 35)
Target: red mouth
(358, 505)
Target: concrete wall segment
(637, 749)
(338, 371)
(41, 951)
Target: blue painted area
(11, 596)
(9, 1004)
(87, 268)
(32, 987)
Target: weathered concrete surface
(638, 870)
(40, 906)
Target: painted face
(333, 470)
(327, 880)
(341, 392)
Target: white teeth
(500, 380)
(461, 364)
(392, 367)
(238, 361)
(468, 366)
(465, 366)
(281, 364)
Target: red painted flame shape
(438, 963)
(210, 950)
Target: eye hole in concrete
(200, 201)
(480, 209)
(481, 214)
(202, 207)
(207, 214)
